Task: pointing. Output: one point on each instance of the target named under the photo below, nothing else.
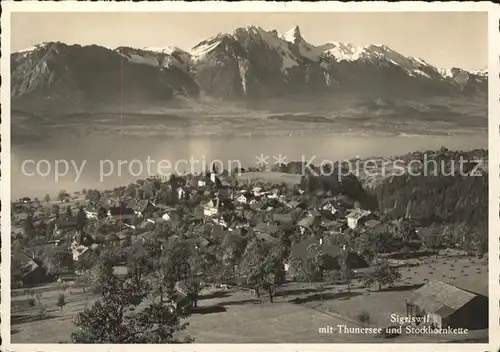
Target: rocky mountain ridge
(247, 64)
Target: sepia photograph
(248, 177)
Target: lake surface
(102, 155)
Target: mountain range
(248, 64)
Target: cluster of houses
(261, 211)
(237, 208)
(255, 211)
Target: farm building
(31, 270)
(449, 306)
(212, 207)
(121, 213)
(358, 217)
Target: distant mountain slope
(249, 63)
(256, 63)
(57, 77)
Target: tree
(81, 219)
(193, 278)
(433, 240)
(117, 318)
(187, 268)
(69, 212)
(61, 301)
(62, 196)
(56, 210)
(382, 242)
(383, 274)
(138, 262)
(49, 230)
(296, 268)
(233, 247)
(102, 213)
(263, 266)
(29, 227)
(345, 268)
(273, 271)
(314, 263)
(406, 231)
(162, 273)
(363, 317)
(173, 263)
(47, 198)
(93, 196)
(86, 263)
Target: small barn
(32, 271)
(358, 217)
(449, 306)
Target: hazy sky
(444, 39)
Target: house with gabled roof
(243, 197)
(307, 224)
(181, 193)
(121, 213)
(267, 228)
(128, 203)
(274, 194)
(220, 220)
(211, 208)
(358, 217)
(333, 225)
(372, 223)
(294, 204)
(314, 213)
(329, 205)
(445, 305)
(266, 237)
(92, 212)
(64, 225)
(257, 191)
(80, 252)
(144, 208)
(32, 271)
(282, 219)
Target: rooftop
(440, 296)
(358, 214)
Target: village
(345, 260)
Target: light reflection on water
(242, 149)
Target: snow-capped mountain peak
(244, 40)
(481, 73)
(305, 49)
(169, 56)
(293, 35)
(446, 72)
(344, 51)
(33, 48)
(169, 50)
(249, 62)
(203, 48)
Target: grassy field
(271, 177)
(453, 268)
(299, 310)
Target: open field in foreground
(299, 310)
